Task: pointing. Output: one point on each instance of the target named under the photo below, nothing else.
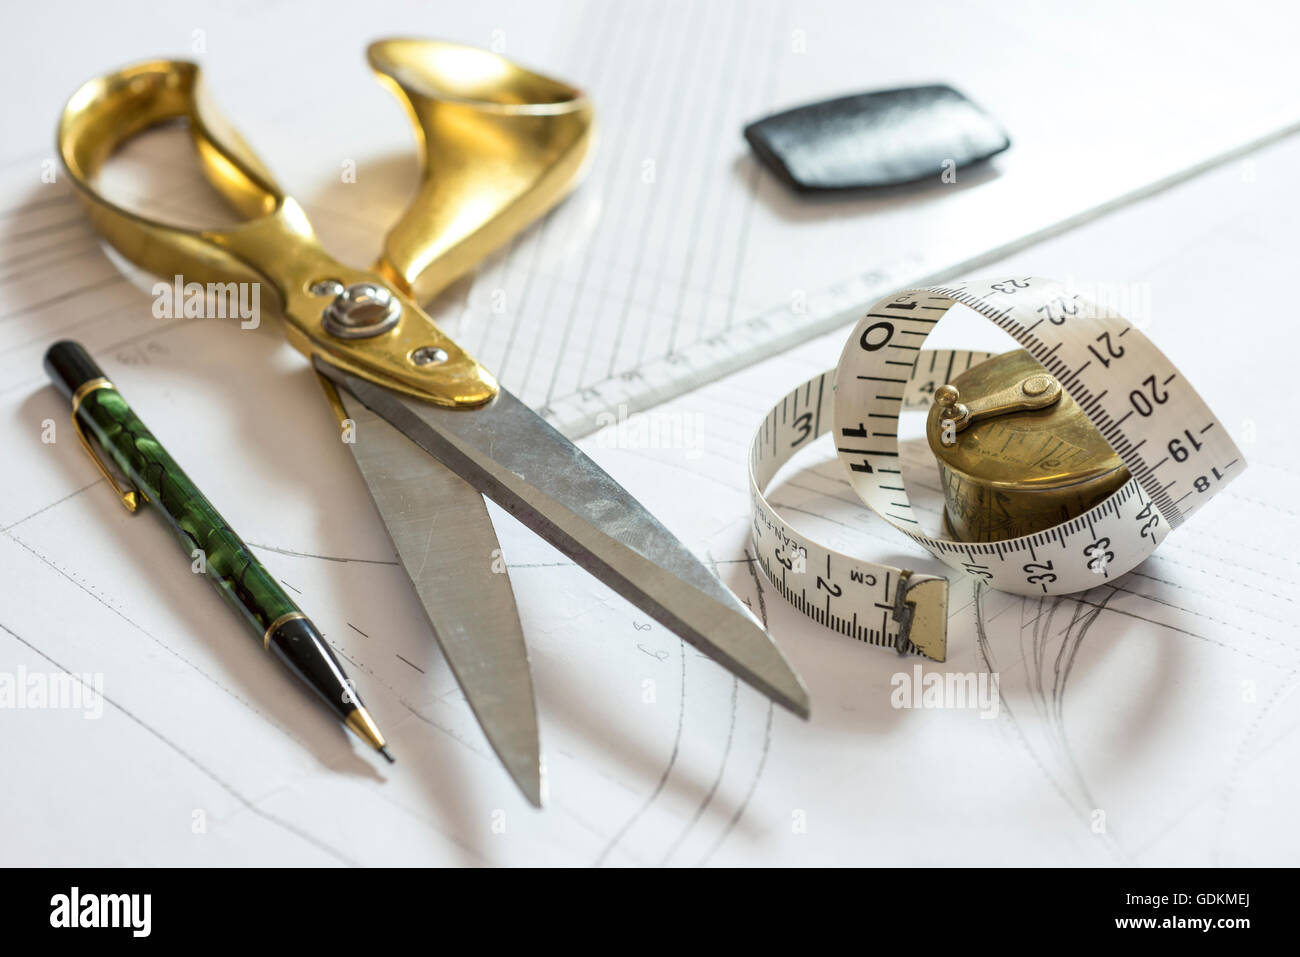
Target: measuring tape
(1177, 453)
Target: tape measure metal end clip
(921, 610)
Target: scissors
(433, 431)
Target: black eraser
(882, 138)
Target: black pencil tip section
(384, 751)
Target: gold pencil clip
(130, 497)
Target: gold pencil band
(87, 387)
(271, 628)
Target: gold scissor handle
(275, 244)
(499, 146)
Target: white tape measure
(1177, 454)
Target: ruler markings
(1125, 512)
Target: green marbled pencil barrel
(267, 611)
(242, 580)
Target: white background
(1178, 716)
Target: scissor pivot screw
(361, 310)
(428, 355)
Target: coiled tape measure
(1176, 453)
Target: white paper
(1171, 741)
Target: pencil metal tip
(364, 727)
(385, 752)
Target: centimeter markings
(1059, 534)
(884, 369)
(843, 592)
(1155, 421)
(1159, 396)
(1167, 416)
(813, 579)
(824, 613)
(1069, 379)
(713, 356)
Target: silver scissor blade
(514, 457)
(446, 543)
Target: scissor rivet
(326, 287)
(428, 355)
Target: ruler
(1177, 453)
(699, 363)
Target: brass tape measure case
(1013, 473)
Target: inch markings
(1151, 416)
(1131, 392)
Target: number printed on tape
(1177, 453)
